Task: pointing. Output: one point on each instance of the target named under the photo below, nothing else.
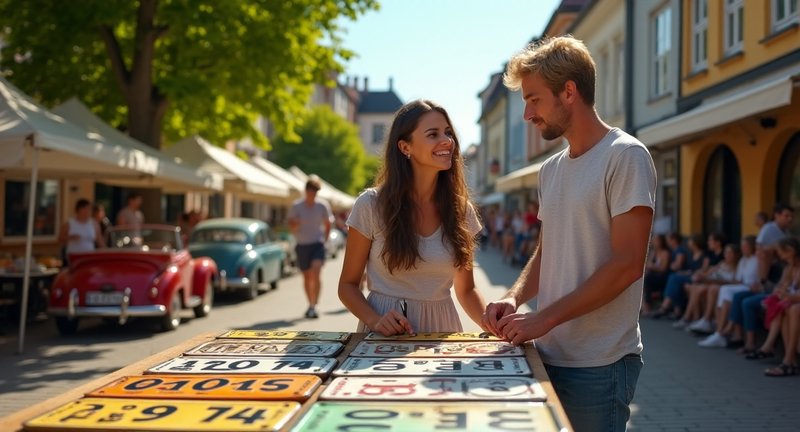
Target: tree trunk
(146, 104)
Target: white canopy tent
(168, 172)
(296, 186)
(336, 198)
(240, 178)
(33, 139)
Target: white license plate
(436, 349)
(286, 334)
(94, 298)
(495, 366)
(261, 348)
(435, 388)
(249, 365)
(429, 417)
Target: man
(596, 203)
(310, 220)
(130, 215)
(767, 242)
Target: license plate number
(286, 334)
(221, 387)
(103, 299)
(166, 415)
(496, 366)
(435, 388)
(429, 417)
(257, 347)
(252, 365)
(459, 336)
(436, 349)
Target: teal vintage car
(246, 255)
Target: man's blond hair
(557, 60)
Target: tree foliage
(329, 147)
(170, 68)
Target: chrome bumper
(232, 283)
(123, 311)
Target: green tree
(169, 68)
(329, 147)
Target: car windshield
(217, 235)
(154, 239)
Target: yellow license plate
(226, 387)
(165, 415)
(436, 336)
(286, 334)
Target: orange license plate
(222, 387)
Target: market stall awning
(744, 102)
(240, 177)
(527, 177)
(337, 199)
(169, 173)
(296, 186)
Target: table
(11, 292)
(14, 422)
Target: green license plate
(429, 417)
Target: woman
(80, 233)
(414, 233)
(656, 271)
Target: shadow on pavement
(270, 325)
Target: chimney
(366, 84)
(355, 82)
(391, 84)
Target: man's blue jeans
(597, 398)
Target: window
(699, 35)
(377, 133)
(784, 13)
(789, 179)
(662, 45)
(734, 26)
(216, 205)
(15, 212)
(247, 209)
(722, 199)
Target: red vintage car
(144, 273)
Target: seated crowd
(732, 293)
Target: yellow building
(738, 122)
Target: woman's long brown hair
(396, 207)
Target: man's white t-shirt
(578, 198)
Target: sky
(442, 50)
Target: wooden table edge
(14, 421)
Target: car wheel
(172, 319)
(273, 285)
(286, 265)
(204, 308)
(66, 326)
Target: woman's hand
(392, 323)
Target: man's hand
(495, 311)
(520, 328)
(392, 323)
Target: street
(682, 387)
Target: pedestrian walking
(596, 201)
(415, 232)
(310, 220)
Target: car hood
(226, 255)
(98, 270)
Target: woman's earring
(408, 156)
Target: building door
(722, 201)
(789, 179)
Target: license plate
(260, 348)
(460, 336)
(94, 298)
(435, 388)
(429, 417)
(497, 366)
(166, 415)
(252, 365)
(436, 349)
(227, 387)
(286, 334)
